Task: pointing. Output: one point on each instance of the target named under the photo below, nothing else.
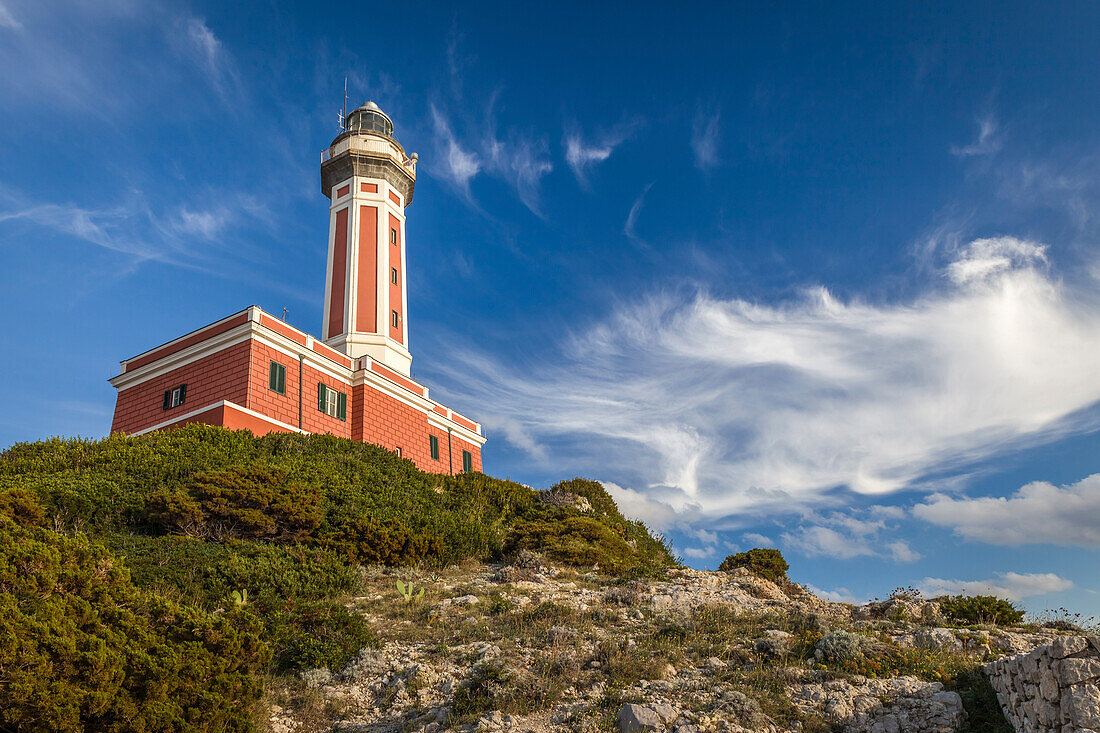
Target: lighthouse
(253, 371)
(369, 181)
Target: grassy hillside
(250, 544)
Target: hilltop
(204, 579)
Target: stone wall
(1053, 689)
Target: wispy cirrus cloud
(582, 154)
(698, 408)
(518, 159)
(470, 140)
(7, 20)
(522, 161)
(988, 142)
(630, 228)
(189, 236)
(456, 165)
(195, 41)
(705, 134)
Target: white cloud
(758, 540)
(989, 140)
(582, 155)
(901, 551)
(712, 407)
(7, 20)
(109, 228)
(818, 541)
(457, 166)
(697, 552)
(844, 536)
(648, 507)
(630, 228)
(1012, 586)
(195, 40)
(986, 258)
(705, 131)
(519, 160)
(207, 224)
(840, 595)
(1038, 512)
(705, 536)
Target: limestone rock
(632, 717)
(1054, 688)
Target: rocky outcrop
(889, 705)
(1052, 689)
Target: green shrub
(81, 648)
(601, 501)
(980, 610)
(390, 543)
(768, 563)
(22, 506)
(311, 635)
(206, 573)
(250, 502)
(579, 540)
(360, 500)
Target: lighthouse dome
(370, 118)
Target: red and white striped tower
(369, 180)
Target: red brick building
(252, 370)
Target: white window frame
(332, 402)
(176, 401)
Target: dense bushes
(207, 572)
(359, 500)
(81, 648)
(980, 610)
(767, 563)
(250, 502)
(311, 635)
(136, 628)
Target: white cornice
(214, 406)
(434, 418)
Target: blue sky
(823, 277)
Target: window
(433, 443)
(467, 462)
(174, 397)
(393, 275)
(393, 319)
(331, 402)
(393, 235)
(398, 451)
(276, 378)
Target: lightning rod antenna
(344, 117)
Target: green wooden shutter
(342, 406)
(467, 462)
(433, 444)
(321, 396)
(276, 380)
(167, 399)
(183, 392)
